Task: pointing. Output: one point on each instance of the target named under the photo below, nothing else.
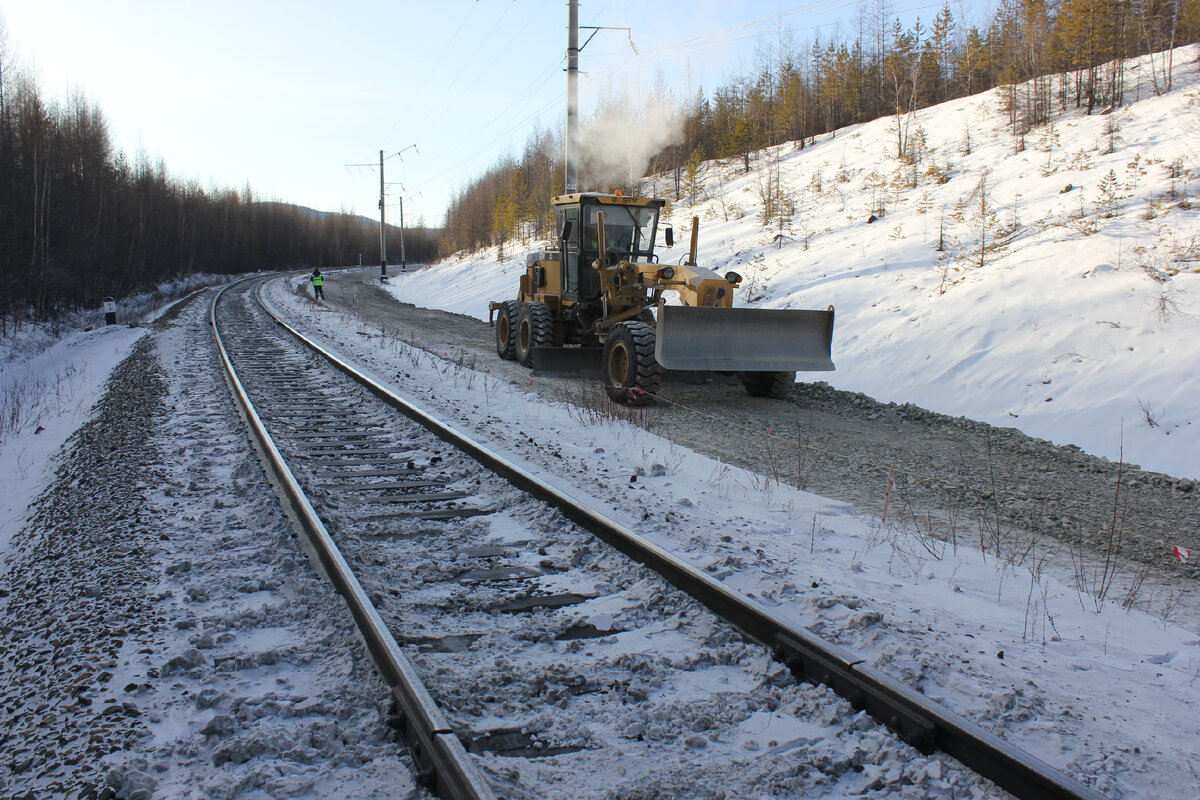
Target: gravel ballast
(165, 635)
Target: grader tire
(506, 329)
(631, 373)
(535, 328)
(775, 385)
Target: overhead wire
(485, 147)
(526, 97)
(653, 56)
(531, 88)
(807, 7)
(444, 106)
(518, 120)
(644, 58)
(740, 33)
(436, 64)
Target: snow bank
(44, 400)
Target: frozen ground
(1103, 692)
(45, 399)
(218, 666)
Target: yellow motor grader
(599, 297)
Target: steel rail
(441, 759)
(921, 722)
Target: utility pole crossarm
(597, 28)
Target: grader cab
(602, 292)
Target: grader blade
(744, 339)
(550, 362)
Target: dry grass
(23, 401)
(589, 404)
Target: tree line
(797, 91)
(81, 221)
(511, 200)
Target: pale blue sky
(282, 95)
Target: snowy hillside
(1076, 321)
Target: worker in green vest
(318, 281)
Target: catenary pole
(382, 229)
(572, 134)
(571, 138)
(403, 266)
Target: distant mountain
(314, 215)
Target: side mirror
(669, 233)
(565, 235)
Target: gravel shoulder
(954, 478)
(76, 591)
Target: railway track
(523, 655)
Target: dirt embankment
(953, 477)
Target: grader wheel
(506, 329)
(535, 328)
(631, 374)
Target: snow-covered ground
(44, 399)
(50, 375)
(1078, 328)
(1105, 692)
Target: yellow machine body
(604, 279)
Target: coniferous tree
(83, 221)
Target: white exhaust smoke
(629, 127)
